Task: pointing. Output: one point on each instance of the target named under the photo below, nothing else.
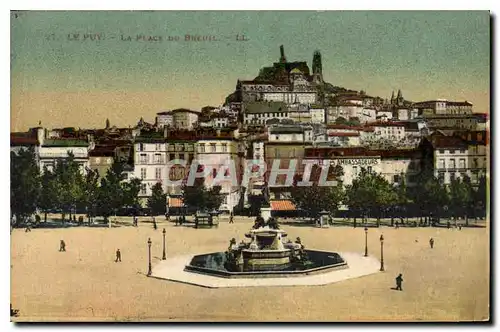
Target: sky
(77, 68)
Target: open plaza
(447, 283)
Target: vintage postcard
(250, 166)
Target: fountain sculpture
(268, 253)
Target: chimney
(40, 135)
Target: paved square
(447, 283)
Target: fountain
(268, 254)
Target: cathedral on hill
(288, 82)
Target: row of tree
(66, 189)
(371, 196)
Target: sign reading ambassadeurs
(355, 161)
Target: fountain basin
(215, 264)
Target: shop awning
(282, 205)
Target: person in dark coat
(154, 223)
(231, 218)
(399, 282)
(431, 242)
(118, 256)
(62, 246)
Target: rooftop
(265, 107)
(63, 142)
(23, 139)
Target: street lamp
(164, 254)
(149, 256)
(382, 253)
(366, 241)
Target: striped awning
(282, 205)
(174, 202)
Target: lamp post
(366, 241)
(164, 254)
(149, 257)
(382, 253)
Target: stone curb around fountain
(172, 269)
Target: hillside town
(288, 112)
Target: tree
(370, 194)
(315, 198)
(461, 198)
(157, 203)
(131, 191)
(24, 184)
(400, 205)
(91, 193)
(201, 198)
(50, 192)
(481, 197)
(111, 196)
(70, 181)
(214, 198)
(340, 121)
(194, 196)
(429, 196)
(353, 121)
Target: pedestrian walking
(167, 216)
(448, 225)
(154, 223)
(135, 221)
(28, 227)
(118, 256)
(62, 246)
(399, 282)
(431, 242)
(459, 227)
(231, 218)
(397, 225)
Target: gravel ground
(447, 283)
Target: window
(158, 173)
(452, 151)
(141, 147)
(441, 150)
(452, 163)
(143, 158)
(143, 189)
(452, 176)
(171, 147)
(441, 164)
(202, 148)
(396, 178)
(475, 163)
(224, 147)
(212, 147)
(158, 147)
(158, 158)
(291, 153)
(143, 173)
(171, 156)
(369, 168)
(462, 163)
(277, 137)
